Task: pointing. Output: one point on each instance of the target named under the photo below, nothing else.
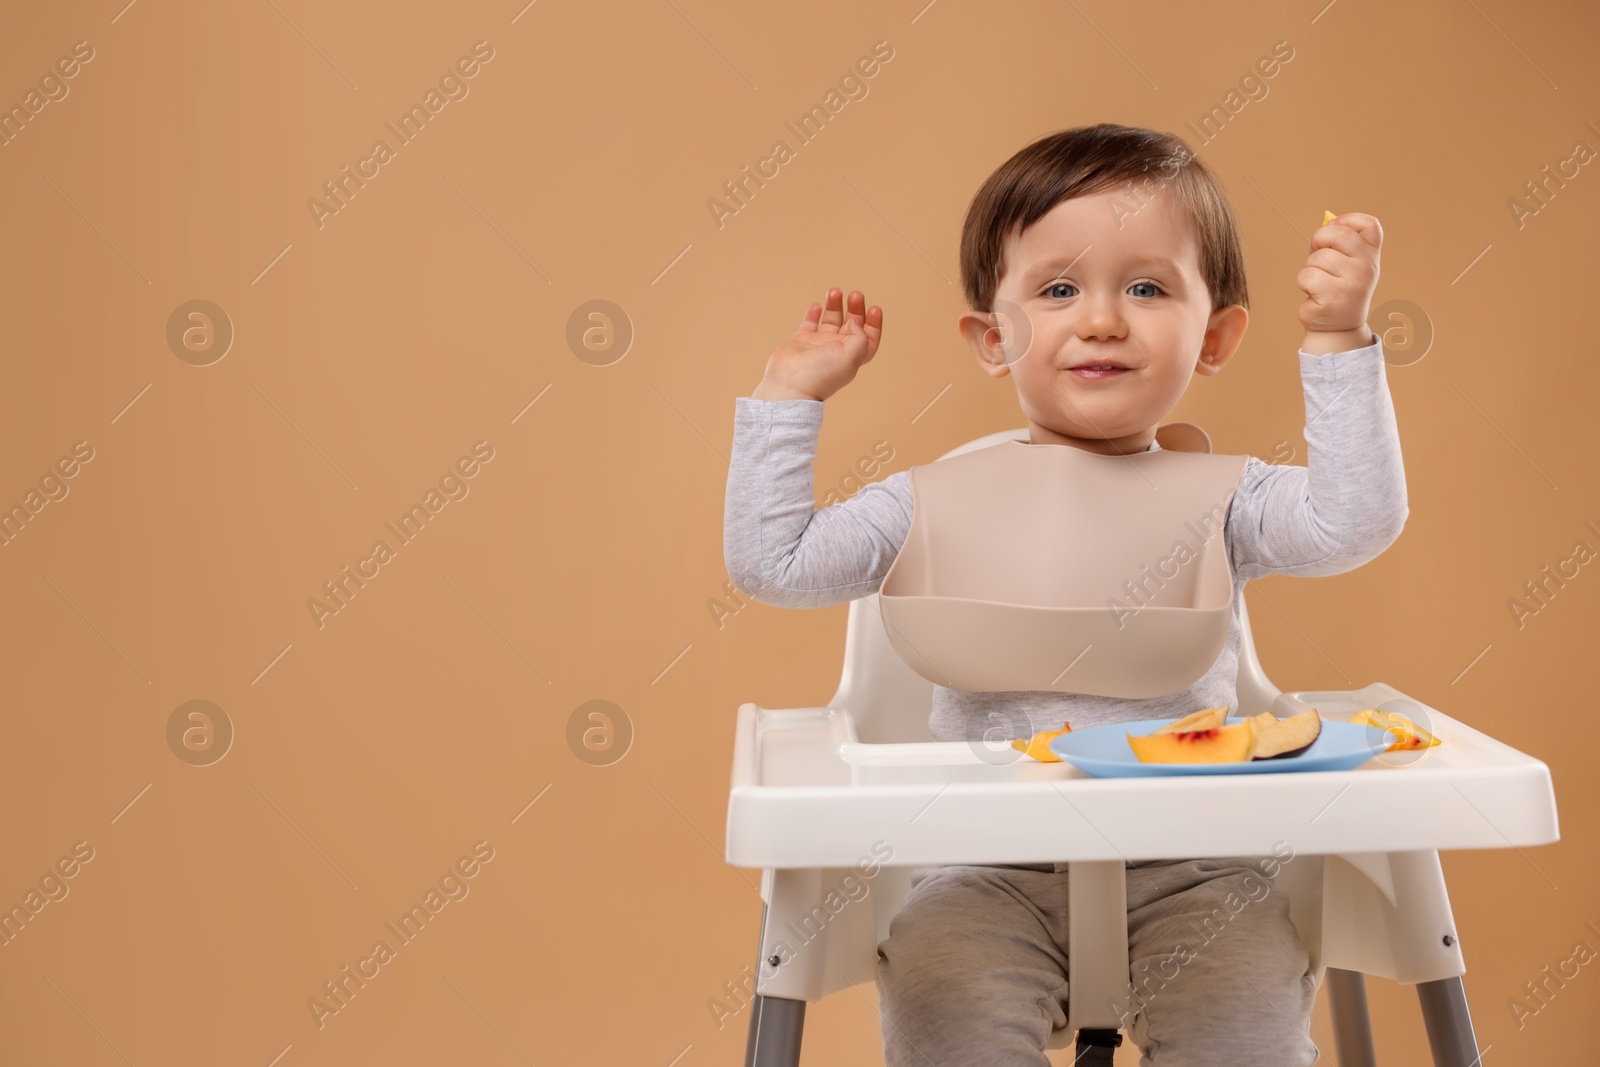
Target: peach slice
(1408, 735)
(1327, 216)
(1204, 719)
(1283, 738)
(1038, 746)
(1219, 744)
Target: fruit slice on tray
(1204, 719)
(1038, 746)
(1282, 738)
(1407, 733)
(1210, 744)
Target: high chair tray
(806, 794)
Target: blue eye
(1059, 285)
(1147, 285)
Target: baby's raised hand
(1340, 274)
(827, 349)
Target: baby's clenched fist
(1340, 274)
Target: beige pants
(974, 972)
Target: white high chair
(815, 791)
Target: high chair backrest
(890, 703)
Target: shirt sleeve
(779, 547)
(1348, 503)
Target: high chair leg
(1444, 1011)
(775, 1030)
(775, 1024)
(1096, 1048)
(1352, 1027)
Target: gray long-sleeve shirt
(1342, 509)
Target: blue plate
(1103, 752)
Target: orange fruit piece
(1038, 746)
(1408, 735)
(1204, 719)
(1219, 744)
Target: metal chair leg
(1352, 1026)
(1096, 1048)
(1444, 1011)
(775, 1026)
(775, 1023)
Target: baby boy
(1104, 270)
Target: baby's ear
(1224, 331)
(985, 334)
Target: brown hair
(1087, 160)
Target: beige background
(369, 354)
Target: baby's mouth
(1096, 371)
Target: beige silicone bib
(1046, 567)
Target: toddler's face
(1100, 280)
